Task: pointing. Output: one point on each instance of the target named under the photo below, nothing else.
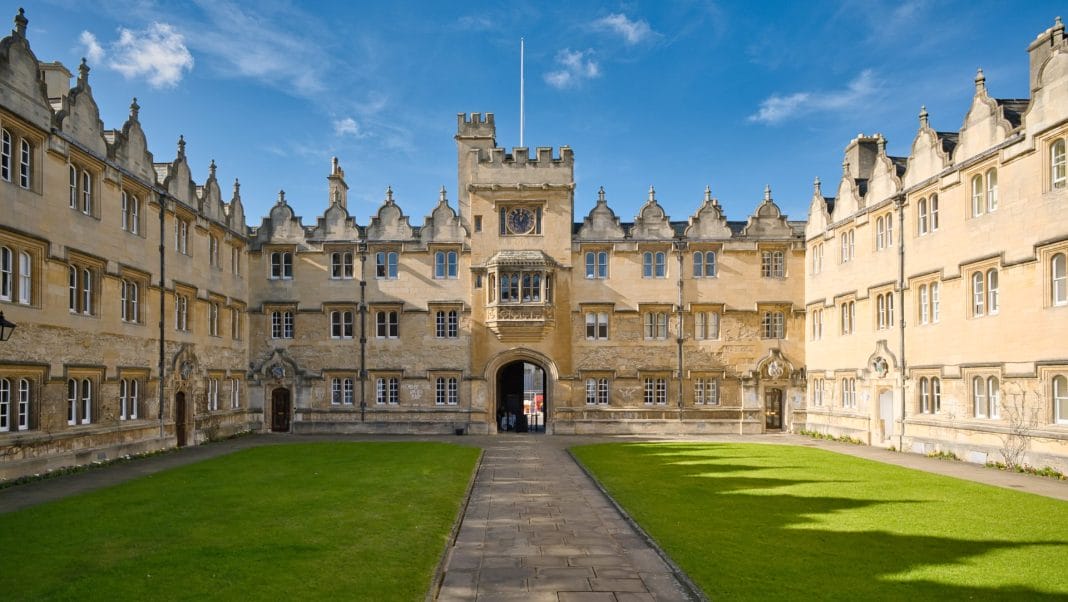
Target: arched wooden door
(773, 409)
(280, 410)
(179, 418)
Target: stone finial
(880, 140)
(708, 194)
(980, 81)
(652, 194)
(83, 72)
(767, 193)
(441, 195)
(21, 21)
(600, 195)
(923, 117)
(845, 167)
(1057, 24)
(211, 169)
(135, 109)
(334, 167)
(237, 189)
(817, 189)
(281, 197)
(389, 195)
(181, 145)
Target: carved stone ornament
(186, 369)
(775, 369)
(879, 366)
(278, 371)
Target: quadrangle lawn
(343, 521)
(754, 521)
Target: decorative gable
(336, 224)
(80, 116)
(768, 221)
(652, 223)
(130, 149)
(22, 88)
(819, 217)
(281, 226)
(708, 223)
(928, 156)
(443, 224)
(985, 125)
(601, 223)
(390, 223)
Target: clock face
(520, 220)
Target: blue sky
(678, 95)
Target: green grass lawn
(342, 521)
(751, 521)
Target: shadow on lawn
(750, 542)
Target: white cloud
(94, 52)
(277, 44)
(475, 23)
(776, 108)
(157, 52)
(633, 32)
(575, 67)
(347, 127)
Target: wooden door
(773, 409)
(280, 410)
(179, 418)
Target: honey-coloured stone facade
(151, 316)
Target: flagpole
(522, 45)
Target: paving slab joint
(692, 591)
(439, 571)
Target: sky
(676, 95)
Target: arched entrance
(280, 410)
(179, 419)
(772, 409)
(522, 405)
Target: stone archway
(500, 375)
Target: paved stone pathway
(538, 528)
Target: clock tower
(519, 211)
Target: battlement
(520, 155)
(477, 125)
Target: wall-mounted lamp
(6, 328)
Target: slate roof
(949, 141)
(1013, 109)
(900, 163)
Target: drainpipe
(901, 315)
(679, 246)
(162, 298)
(363, 331)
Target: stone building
(151, 316)
(935, 288)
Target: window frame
(1059, 398)
(386, 267)
(387, 389)
(655, 390)
(1058, 279)
(1058, 164)
(655, 325)
(597, 324)
(773, 324)
(387, 324)
(282, 324)
(341, 324)
(705, 264)
(596, 264)
(773, 263)
(281, 265)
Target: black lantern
(6, 328)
